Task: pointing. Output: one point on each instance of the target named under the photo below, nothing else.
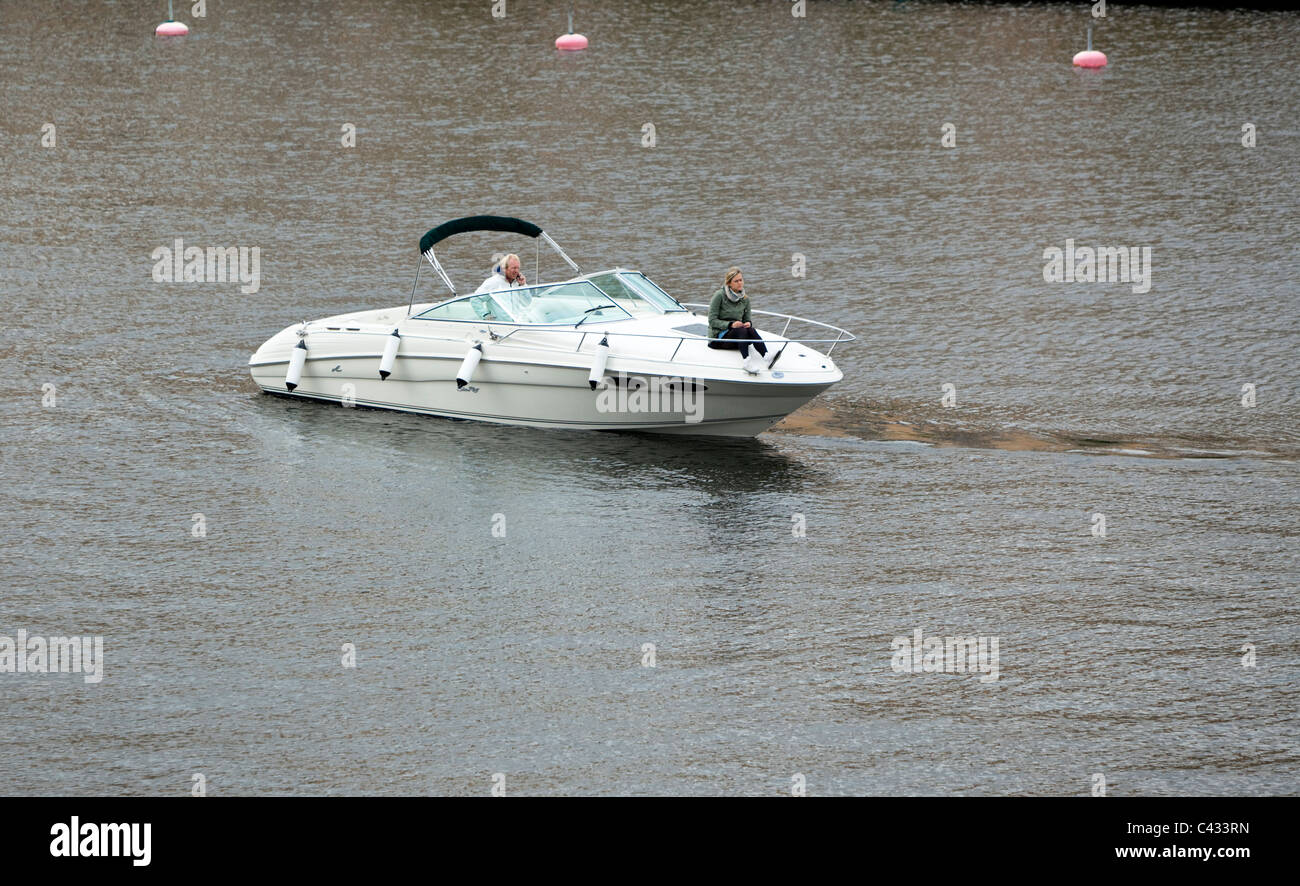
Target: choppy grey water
(476, 654)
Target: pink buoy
(171, 27)
(1090, 58)
(571, 41)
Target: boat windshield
(633, 291)
(559, 303)
(651, 292)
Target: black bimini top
(477, 223)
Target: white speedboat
(603, 351)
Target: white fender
(598, 363)
(390, 356)
(296, 362)
(468, 365)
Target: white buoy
(296, 362)
(598, 363)
(390, 356)
(468, 365)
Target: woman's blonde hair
(732, 273)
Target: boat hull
(542, 396)
(656, 375)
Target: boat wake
(894, 423)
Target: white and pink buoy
(571, 42)
(171, 27)
(1090, 58)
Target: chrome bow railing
(840, 334)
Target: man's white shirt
(496, 282)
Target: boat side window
(473, 307)
(559, 303)
(492, 306)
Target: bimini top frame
(477, 223)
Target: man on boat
(506, 275)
